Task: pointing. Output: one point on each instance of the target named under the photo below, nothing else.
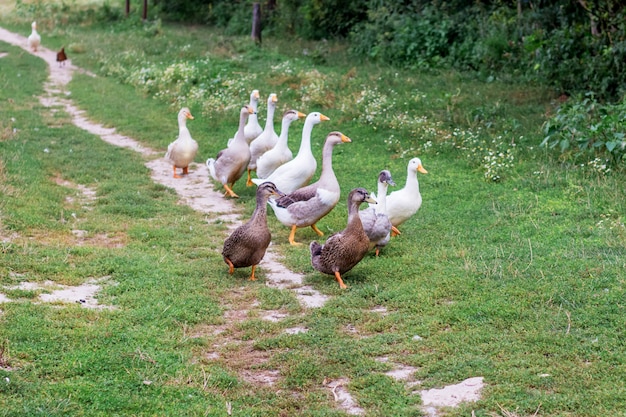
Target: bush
(588, 130)
(408, 38)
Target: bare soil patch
(84, 295)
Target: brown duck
(246, 246)
(343, 250)
(61, 57)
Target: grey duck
(375, 220)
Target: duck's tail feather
(315, 248)
(210, 164)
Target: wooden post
(144, 14)
(256, 23)
(127, 7)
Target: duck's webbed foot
(340, 281)
(231, 267)
(230, 192)
(316, 230)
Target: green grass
(520, 281)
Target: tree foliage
(575, 46)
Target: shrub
(588, 130)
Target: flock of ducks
(283, 184)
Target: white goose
(307, 205)
(404, 203)
(253, 129)
(299, 171)
(183, 150)
(34, 40)
(375, 220)
(266, 140)
(230, 163)
(280, 153)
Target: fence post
(256, 23)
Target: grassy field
(513, 269)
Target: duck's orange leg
(377, 251)
(395, 231)
(316, 230)
(340, 281)
(252, 277)
(230, 191)
(186, 170)
(249, 182)
(292, 236)
(231, 267)
(174, 170)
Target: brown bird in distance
(61, 57)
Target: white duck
(307, 205)
(299, 171)
(375, 220)
(230, 163)
(253, 129)
(404, 203)
(266, 140)
(34, 40)
(280, 153)
(183, 150)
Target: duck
(61, 57)
(34, 40)
(230, 163)
(266, 140)
(307, 205)
(183, 150)
(280, 153)
(253, 129)
(343, 250)
(247, 244)
(298, 172)
(375, 221)
(404, 203)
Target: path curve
(195, 190)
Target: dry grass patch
(230, 344)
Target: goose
(253, 129)
(307, 205)
(343, 250)
(266, 140)
(34, 40)
(183, 150)
(230, 163)
(404, 203)
(298, 172)
(280, 153)
(247, 244)
(375, 221)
